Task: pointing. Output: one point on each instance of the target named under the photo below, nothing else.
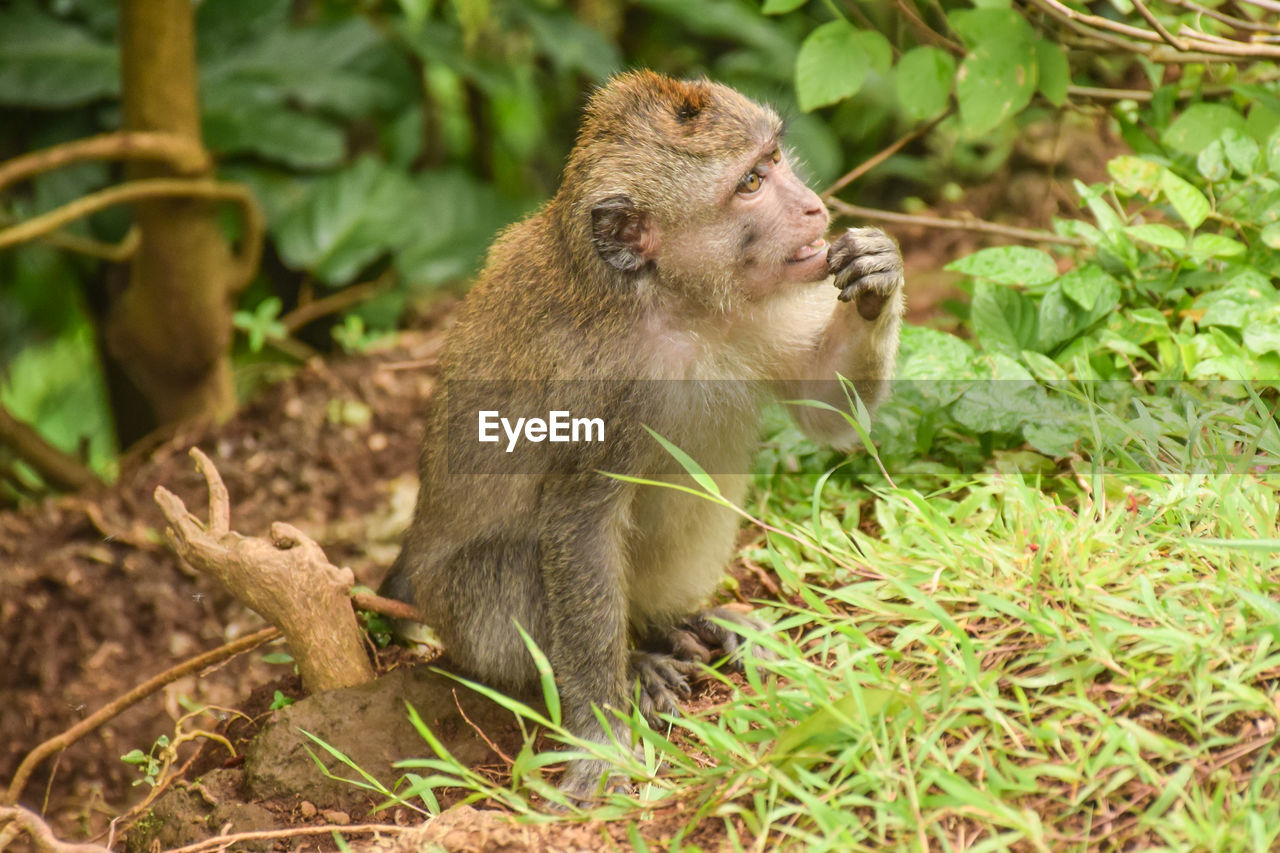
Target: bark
(287, 581)
(170, 328)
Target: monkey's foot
(867, 268)
(587, 781)
(698, 639)
(662, 678)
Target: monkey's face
(760, 230)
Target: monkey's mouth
(808, 251)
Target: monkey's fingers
(660, 678)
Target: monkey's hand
(699, 637)
(660, 678)
(867, 268)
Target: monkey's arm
(860, 339)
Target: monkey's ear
(624, 236)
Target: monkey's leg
(698, 638)
(584, 571)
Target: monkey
(681, 252)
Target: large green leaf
(1008, 265)
(995, 81)
(349, 219)
(1053, 74)
(273, 133)
(833, 63)
(452, 229)
(1199, 125)
(924, 78)
(48, 63)
(1003, 319)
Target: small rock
(307, 809)
(336, 817)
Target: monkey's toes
(716, 636)
(661, 677)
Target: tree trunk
(170, 328)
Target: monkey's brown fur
(661, 257)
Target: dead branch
(225, 841)
(21, 819)
(287, 580)
(57, 467)
(183, 155)
(1027, 234)
(884, 154)
(137, 694)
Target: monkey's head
(689, 180)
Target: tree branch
(286, 580)
(148, 188)
(54, 465)
(24, 819)
(878, 158)
(183, 155)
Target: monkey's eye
(776, 156)
(751, 182)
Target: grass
(996, 663)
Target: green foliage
(147, 763)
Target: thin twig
(1027, 234)
(1159, 27)
(250, 252)
(1269, 5)
(1229, 20)
(137, 694)
(479, 731)
(223, 841)
(386, 606)
(183, 154)
(340, 301)
(884, 154)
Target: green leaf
(923, 81)
(1212, 162)
(701, 477)
(1008, 265)
(1273, 153)
(1271, 235)
(1188, 201)
(832, 65)
(1003, 319)
(1199, 125)
(349, 219)
(993, 24)
(46, 63)
(1242, 152)
(1263, 337)
(274, 133)
(1158, 235)
(779, 7)
(1206, 246)
(995, 81)
(1135, 175)
(1091, 288)
(1054, 74)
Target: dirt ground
(92, 602)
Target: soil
(92, 602)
